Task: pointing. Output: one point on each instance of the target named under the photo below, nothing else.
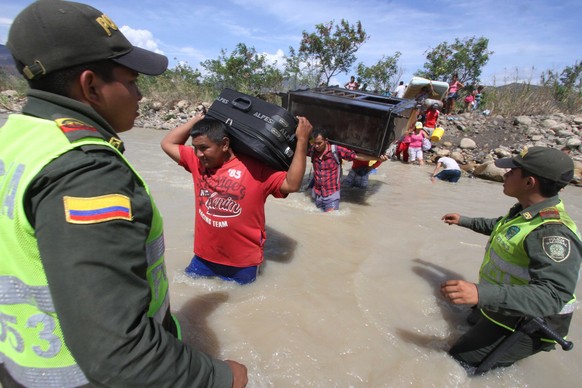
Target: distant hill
(518, 87)
(6, 61)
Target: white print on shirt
(222, 206)
(220, 197)
(234, 173)
(216, 224)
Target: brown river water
(348, 299)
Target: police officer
(83, 288)
(531, 261)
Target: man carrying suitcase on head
(230, 192)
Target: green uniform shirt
(97, 273)
(552, 283)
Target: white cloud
(141, 38)
(277, 59)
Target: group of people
(471, 102)
(85, 294)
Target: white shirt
(449, 163)
(400, 89)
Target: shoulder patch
(556, 248)
(93, 210)
(550, 213)
(68, 125)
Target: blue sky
(527, 36)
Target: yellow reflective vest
(32, 346)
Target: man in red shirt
(326, 159)
(230, 192)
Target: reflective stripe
(496, 322)
(568, 307)
(161, 313)
(14, 291)
(70, 376)
(155, 250)
(511, 269)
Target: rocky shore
(473, 139)
(476, 140)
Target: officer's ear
(531, 182)
(89, 85)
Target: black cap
(50, 35)
(549, 163)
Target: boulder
(489, 171)
(467, 143)
(182, 105)
(549, 123)
(458, 156)
(522, 120)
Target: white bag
(426, 144)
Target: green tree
(333, 49)
(300, 72)
(381, 76)
(465, 57)
(243, 70)
(175, 83)
(566, 86)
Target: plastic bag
(426, 144)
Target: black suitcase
(257, 128)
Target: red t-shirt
(229, 225)
(431, 118)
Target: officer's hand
(451, 218)
(460, 292)
(239, 374)
(304, 128)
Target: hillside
(6, 61)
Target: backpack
(337, 159)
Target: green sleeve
(479, 225)
(97, 278)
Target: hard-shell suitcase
(257, 128)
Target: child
(469, 100)
(403, 147)
(478, 97)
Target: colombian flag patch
(73, 125)
(93, 210)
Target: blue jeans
(242, 275)
(449, 175)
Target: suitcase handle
(242, 103)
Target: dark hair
(548, 188)
(60, 81)
(214, 129)
(320, 131)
